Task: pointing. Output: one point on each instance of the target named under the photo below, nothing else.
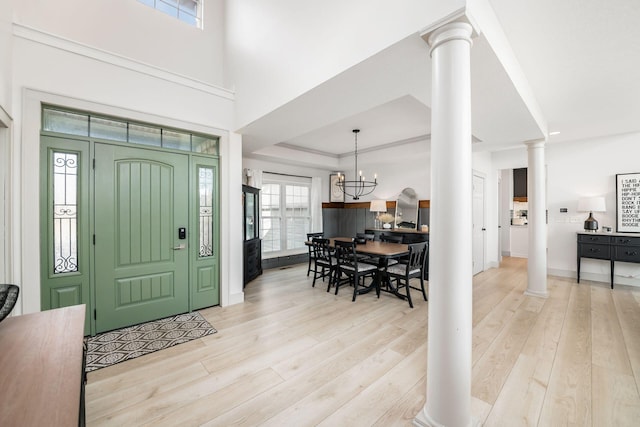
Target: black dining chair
(324, 262)
(350, 266)
(8, 297)
(310, 236)
(390, 238)
(403, 273)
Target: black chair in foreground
(8, 298)
(325, 263)
(310, 236)
(403, 273)
(349, 265)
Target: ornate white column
(537, 216)
(450, 255)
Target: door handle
(180, 247)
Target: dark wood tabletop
(41, 368)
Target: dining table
(383, 251)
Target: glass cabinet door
(249, 216)
(250, 212)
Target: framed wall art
(336, 195)
(628, 203)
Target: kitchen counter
(519, 241)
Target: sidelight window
(65, 212)
(205, 206)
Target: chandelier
(358, 187)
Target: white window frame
(198, 17)
(283, 181)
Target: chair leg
(408, 293)
(356, 281)
(424, 294)
(309, 268)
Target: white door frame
(5, 197)
(482, 247)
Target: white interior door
(478, 224)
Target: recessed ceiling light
(554, 133)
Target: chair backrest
(310, 236)
(366, 236)
(417, 255)
(390, 238)
(321, 249)
(346, 254)
(8, 298)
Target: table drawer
(595, 251)
(626, 241)
(587, 238)
(627, 254)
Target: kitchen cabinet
(520, 185)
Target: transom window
(189, 11)
(115, 129)
(285, 213)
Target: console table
(42, 368)
(610, 246)
(408, 235)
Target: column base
(536, 294)
(424, 420)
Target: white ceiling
(581, 59)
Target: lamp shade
(591, 204)
(378, 206)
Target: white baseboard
(594, 277)
(236, 298)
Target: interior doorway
(478, 230)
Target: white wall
(134, 30)
(580, 169)
(5, 54)
(281, 49)
(79, 79)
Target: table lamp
(591, 205)
(378, 206)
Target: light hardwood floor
(293, 355)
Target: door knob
(179, 247)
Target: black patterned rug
(128, 343)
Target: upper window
(189, 11)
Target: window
(189, 11)
(115, 129)
(285, 214)
(65, 212)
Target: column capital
(535, 143)
(456, 30)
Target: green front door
(141, 260)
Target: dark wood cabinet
(609, 247)
(252, 247)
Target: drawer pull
(593, 239)
(625, 240)
(631, 253)
(594, 250)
